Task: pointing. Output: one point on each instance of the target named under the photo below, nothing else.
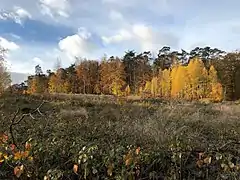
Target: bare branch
(11, 127)
(14, 122)
(2, 105)
(38, 109)
(31, 116)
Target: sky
(42, 31)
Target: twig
(228, 143)
(38, 109)
(2, 106)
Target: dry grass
(152, 124)
(70, 113)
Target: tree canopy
(204, 72)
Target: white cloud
(143, 37)
(142, 31)
(22, 13)
(37, 60)
(20, 67)
(139, 33)
(11, 46)
(77, 45)
(115, 15)
(18, 15)
(122, 35)
(83, 33)
(54, 8)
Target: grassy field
(107, 138)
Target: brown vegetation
(172, 139)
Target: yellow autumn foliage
(216, 88)
(166, 83)
(154, 86)
(191, 82)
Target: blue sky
(41, 31)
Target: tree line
(201, 73)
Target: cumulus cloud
(22, 13)
(122, 35)
(142, 35)
(142, 31)
(54, 8)
(11, 46)
(120, 24)
(18, 15)
(77, 45)
(145, 36)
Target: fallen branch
(15, 122)
(11, 127)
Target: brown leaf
(18, 170)
(75, 168)
(199, 163)
(28, 146)
(110, 170)
(207, 160)
(128, 161)
(137, 151)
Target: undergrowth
(97, 138)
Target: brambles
(13, 158)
